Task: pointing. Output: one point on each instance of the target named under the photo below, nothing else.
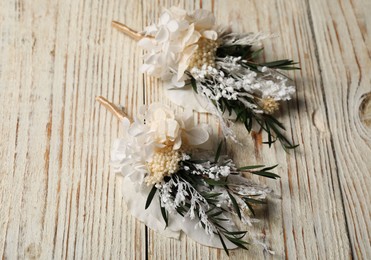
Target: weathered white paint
(58, 197)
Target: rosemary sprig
(248, 116)
(249, 56)
(209, 192)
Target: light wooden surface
(58, 197)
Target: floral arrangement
(210, 68)
(172, 182)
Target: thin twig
(128, 31)
(112, 108)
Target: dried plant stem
(128, 31)
(112, 108)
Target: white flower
(131, 152)
(174, 41)
(165, 127)
(174, 131)
(153, 144)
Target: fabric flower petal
(135, 197)
(172, 129)
(184, 62)
(146, 43)
(203, 19)
(173, 26)
(196, 136)
(162, 35)
(210, 34)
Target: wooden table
(59, 198)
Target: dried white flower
(175, 40)
(151, 145)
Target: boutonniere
(210, 68)
(174, 182)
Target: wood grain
(58, 196)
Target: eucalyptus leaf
(150, 196)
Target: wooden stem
(112, 108)
(128, 31)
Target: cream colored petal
(172, 129)
(162, 35)
(146, 44)
(177, 12)
(186, 97)
(190, 36)
(177, 143)
(135, 196)
(161, 135)
(173, 26)
(196, 136)
(188, 119)
(192, 39)
(164, 18)
(210, 34)
(152, 59)
(159, 115)
(185, 60)
(183, 25)
(178, 83)
(203, 19)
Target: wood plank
(58, 196)
(309, 179)
(343, 39)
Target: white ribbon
(135, 195)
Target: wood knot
(318, 122)
(365, 110)
(33, 251)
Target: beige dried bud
(269, 105)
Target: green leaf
(248, 124)
(270, 175)
(291, 146)
(236, 50)
(250, 207)
(247, 116)
(219, 226)
(194, 85)
(270, 118)
(215, 183)
(238, 242)
(254, 200)
(250, 167)
(269, 168)
(222, 219)
(210, 195)
(164, 216)
(289, 68)
(277, 63)
(181, 211)
(235, 204)
(150, 196)
(270, 142)
(215, 214)
(234, 233)
(218, 151)
(235, 239)
(223, 244)
(256, 53)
